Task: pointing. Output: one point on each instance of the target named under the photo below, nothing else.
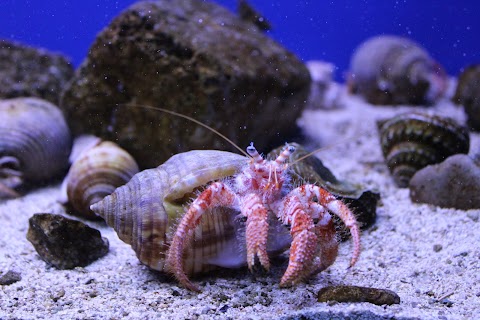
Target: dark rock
(9, 278)
(247, 13)
(195, 58)
(32, 72)
(358, 294)
(65, 243)
(454, 183)
(467, 94)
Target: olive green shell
(411, 141)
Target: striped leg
(217, 194)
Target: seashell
(34, 143)
(395, 70)
(144, 213)
(468, 95)
(414, 140)
(100, 168)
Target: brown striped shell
(145, 211)
(35, 142)
(100, 168)
(468, 95)
(411, 141)
(395, 70)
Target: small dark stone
(32, 72)
(224, 308)
(358, 294)
(9, 278)
(65, 243)
(437, 247)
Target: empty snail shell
(395, 70)
(34, 142)
(144, 213)
(468, 95)
(414, 140)
(100, 168)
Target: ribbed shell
(395, 70)
(34, 134)
(468, 95)
(414, 140)
(145, 211)
(96, 173)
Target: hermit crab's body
(259, 189)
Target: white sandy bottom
(398, 254)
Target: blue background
(326, 30)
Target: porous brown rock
(195, 58)
(32, 72)
(65, 243)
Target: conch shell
(34, 143)
(98, 168)
(395, 70)
(411, 141)
(144, 213)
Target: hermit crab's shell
(145, 211)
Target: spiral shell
(414, 140)
(395, 70)
(34, 142)
(98, 170)
(468, 95)
(144, 213)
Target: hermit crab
(254, 189)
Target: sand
(428, 255)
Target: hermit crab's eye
(291, 149)
(251, 149)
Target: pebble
(358, 294)
(9, 278)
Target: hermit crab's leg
(327, 246)
(256, 233)
(304, 244)
(337, 207)
(217, 194)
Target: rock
(32, 72)
(454, 183)
(358, 294)
(467, 94)
(195, 58)
(9, 278)
(65, 243)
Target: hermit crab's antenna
(191, 119)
